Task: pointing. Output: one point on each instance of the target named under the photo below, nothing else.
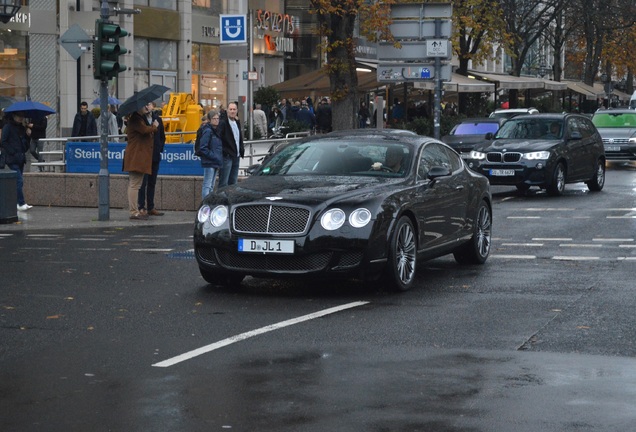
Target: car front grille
(615, 141)
(270, 219)
(498, 157)
(277, 263)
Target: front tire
(477, 249)
(557, 185)
(399, 274)
(598, 181)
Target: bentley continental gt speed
(361, 204)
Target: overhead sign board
(410, 29)
(397, 72)
(413, 50)
(421, 10)
(75, 41)
(438, 48)
(233, 29)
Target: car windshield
(476, 128)
(614, 120)
(381, 158)
(531, 128)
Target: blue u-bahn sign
(176, 159)
(233, 29)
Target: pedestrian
(146, 198)
(260, 121)
(323, 116)
(305, 117)
(38, 131)
(211, 151)
(233, 147)
(111, 124)
(363, 115)
(138, 156)
(14, 144)
(84, 123)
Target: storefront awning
(316, 84)
(590, 93)
(504, 81)
(459, 84)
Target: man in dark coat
(84, 123)
(323, 116)
(233, 148)
(147, 190)
(13, 146)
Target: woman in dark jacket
(14, 145)
(211, 152)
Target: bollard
(8, 196)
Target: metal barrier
(53, 149)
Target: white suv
(512, 112)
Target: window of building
(209, 7)
(209, 78)
(13, 66)
(160, 4)
(155, 63)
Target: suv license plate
(266, 246)
(502, 172)
(612, 148)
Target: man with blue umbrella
(14, 144)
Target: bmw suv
(618, 130)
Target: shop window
(159, 4)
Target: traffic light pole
(103, 178)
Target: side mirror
(437, 172)
(490, 136)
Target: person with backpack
(210, 151)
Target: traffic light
(106, 50)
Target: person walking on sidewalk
(211, 152)
(84, 123)
(233, 147)
(146, 199)
(138, 156)
(14, 145)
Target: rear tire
(477, 249)
(557, 185)
(399, 274)
(598, 181)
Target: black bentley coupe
(361, 204)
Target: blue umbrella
(30, 109)
(112, 100)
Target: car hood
(518, 145)
(305, 190)
(616, 132)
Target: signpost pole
(250, 66)
(103, 178)
(438, 86)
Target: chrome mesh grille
(270, 219)
(617, 141)
(264, 262)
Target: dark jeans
(228, 173)
(19, 181)
(147, 190)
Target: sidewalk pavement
(54, 218)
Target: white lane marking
(523, 217)
(549, 209)
(151, 250)
(626, 258)
(522, 244)
(612, 239)
(514, 256)
(580, 245)
(551, 239)
(627, 246)
(233, 339)
(575, 258)
(621, 217)
(87, 239)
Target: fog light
(539, 165)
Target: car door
(582, 150)
(439, 203)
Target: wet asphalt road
(541, 338)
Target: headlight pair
(335, 218)
(217, 216)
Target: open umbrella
(112, 100)
(31, 109)
(141, 98)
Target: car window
(433, 155)
(586, 129)
(614, 119)
(475, 128)
(453, 159)
(573, 127)
(531, 128)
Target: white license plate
(502, 172)
(266, 246)
(612, 148)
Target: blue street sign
(426, 73)
(233, 29)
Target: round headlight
(204, 214)
(360, 217)
(218, 215)
(333, 219)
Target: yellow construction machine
(181, 114)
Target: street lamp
(8, 9)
